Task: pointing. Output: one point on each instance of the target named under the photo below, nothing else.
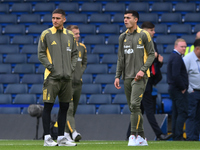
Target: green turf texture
(99, 145)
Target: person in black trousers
(177, 78)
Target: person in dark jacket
(177, 78)
(58, 53)
(148, 103)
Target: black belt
(196, 89)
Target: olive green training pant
(76, 93)
(134, 92)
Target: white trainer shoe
(64, 142)
(140, 141)
(132, 140)
(48, 141)
(67, 135)
(76, 136)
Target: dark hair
(134, 13)
(196, 43)
(147, 25)
(59, 11)
(71, 27)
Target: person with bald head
(191, 48)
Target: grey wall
(91, 127)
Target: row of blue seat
(82, 109)
(103, 1)
(100, 18)
(89, 7)
(94, 39)
(34, 99)
(107, 29)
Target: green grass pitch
(99, 145)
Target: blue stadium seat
(40, 101)
(169, 48)
(113, 8)
(160, 7)
(109, 109)
(87, 28)
(100, 18)
(1, 58)
(166, 39)
(118, 18)
(4, 39)
(105, 78)
(28, 19)
(5, 68)
(192, 18)
(25, 99)
(19, 8)
(10, 110)
(25, 110)
(113, 68)
(162, 88)
(9, 78)
(108, 29)
(29, 49)
(180, 29)
(77, 18)
(90, 8)
(1, 88)
(126, 110)
(104, 49)
(15, 58)
(36, 29)
(87, 78)
(109, 59)
(161, 29)
(100, 99)
(165, 58)
(55, 110)
(83, 99)
(167, 105)
(164, 78)
(40, 69)
(91, 89)
(139, 7)
(16, 88)
(88, 47)
(24, 68)
(163, 69)
(32, 78)
(47, 19)
(94, 39)
(8, 19)
(185, 7)
(152, 17)
(5, 99)
(6, 49)
(44, 8)
(4, 8)
(171, 18)
(34, 59)
(69, 7)
(174, 1)
(110, 89)
(160, 49)
(22, 39)
(189, 39)
(33, 1)
(113, 39)
(120, 99)
(86, 109)
(36, 89)
(92, 58)
(96, 68)
(196, 28)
